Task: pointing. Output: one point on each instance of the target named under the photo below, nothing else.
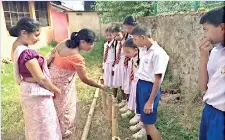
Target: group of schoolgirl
(131, 61)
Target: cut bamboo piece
(115, 138)
(104, 106)
(101, 80)
(115, 108)
(104, 96)
(90, 115)
(109, 97)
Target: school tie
(126, 61)
(132, 72)
(106, 53)
(118, 54)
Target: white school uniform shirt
(135, 65)
(141, 51)
(215, 94)
(117, 49)
(152, 61)
(111, 53)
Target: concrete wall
(46, 36)
(80, 20)
(179, 35)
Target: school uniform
(108, 60)
(119, 66)
(153, 61)
(133, 84)
(127, 69)
(213, 116)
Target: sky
(76, 5)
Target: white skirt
(126, 81)
(118, 74)
(132, 97)
(108, 78)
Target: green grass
(176, 121)
(45, 50)
(12, 122)
(12, 117)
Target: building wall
(89, 20)
(7, 41)
(60, 25)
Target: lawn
(176, 121)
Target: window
(41, 11)
(14, 11)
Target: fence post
(196, 5)
(155, 7)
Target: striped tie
(106, 53)
(132, 72)
(126, 61)
(118, 54)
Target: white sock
(124, 101)
(114, 98)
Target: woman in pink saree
(66, 63)
(36, 89)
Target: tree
(177, 6)
(89, 5)
(116, 11)
(174, 6)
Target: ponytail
(138, 60)
(126, 36)
(74, 41)
(115, 48)
(13, 31)
(84, 34)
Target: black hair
(84, 34)
(126, 36)
(130, 43)
(214, 17)
(108, 29)
(115, 45)
(28, 24)
(141, 29)
(117, 28)
(130, 20)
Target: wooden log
(115, 138)
(109, 97)
(90, 115)
(115, 109)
